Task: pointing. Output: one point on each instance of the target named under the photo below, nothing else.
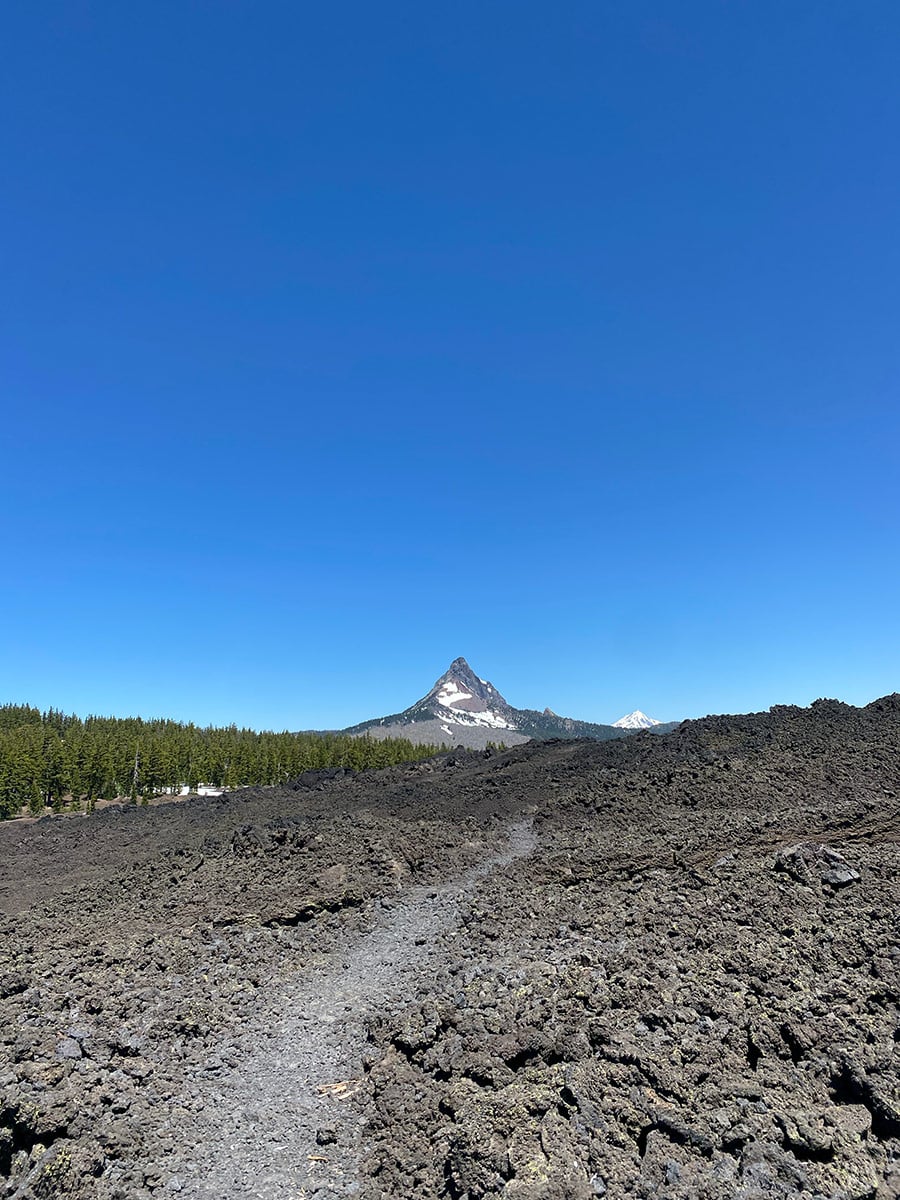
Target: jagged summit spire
(460, 695)
(461, 689)
(461, 668)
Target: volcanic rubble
(667, 966)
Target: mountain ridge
(462, 709)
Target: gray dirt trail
(277, 1125)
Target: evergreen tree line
(50, 759)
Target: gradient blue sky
(340, 339)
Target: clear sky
(337, 340)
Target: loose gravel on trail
(277, 1125)
(687, 986)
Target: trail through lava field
(278, 1123)
(667, 966)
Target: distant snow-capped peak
(635, 720)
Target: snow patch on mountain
(451, 693)
(486, 718)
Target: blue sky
(338, 340)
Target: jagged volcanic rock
(660, 967)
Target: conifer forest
(50, 760)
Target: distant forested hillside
(49, 759)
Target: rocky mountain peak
(635, 720)
(462, 709)
(461, 690)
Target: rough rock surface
(294, 1081)
(659, 967)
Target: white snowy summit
(635, 720)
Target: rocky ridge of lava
(689, 986)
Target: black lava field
(665, 966)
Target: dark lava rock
(690, 988)
(839, 876)
(68, 1048)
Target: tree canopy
(51, 759)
